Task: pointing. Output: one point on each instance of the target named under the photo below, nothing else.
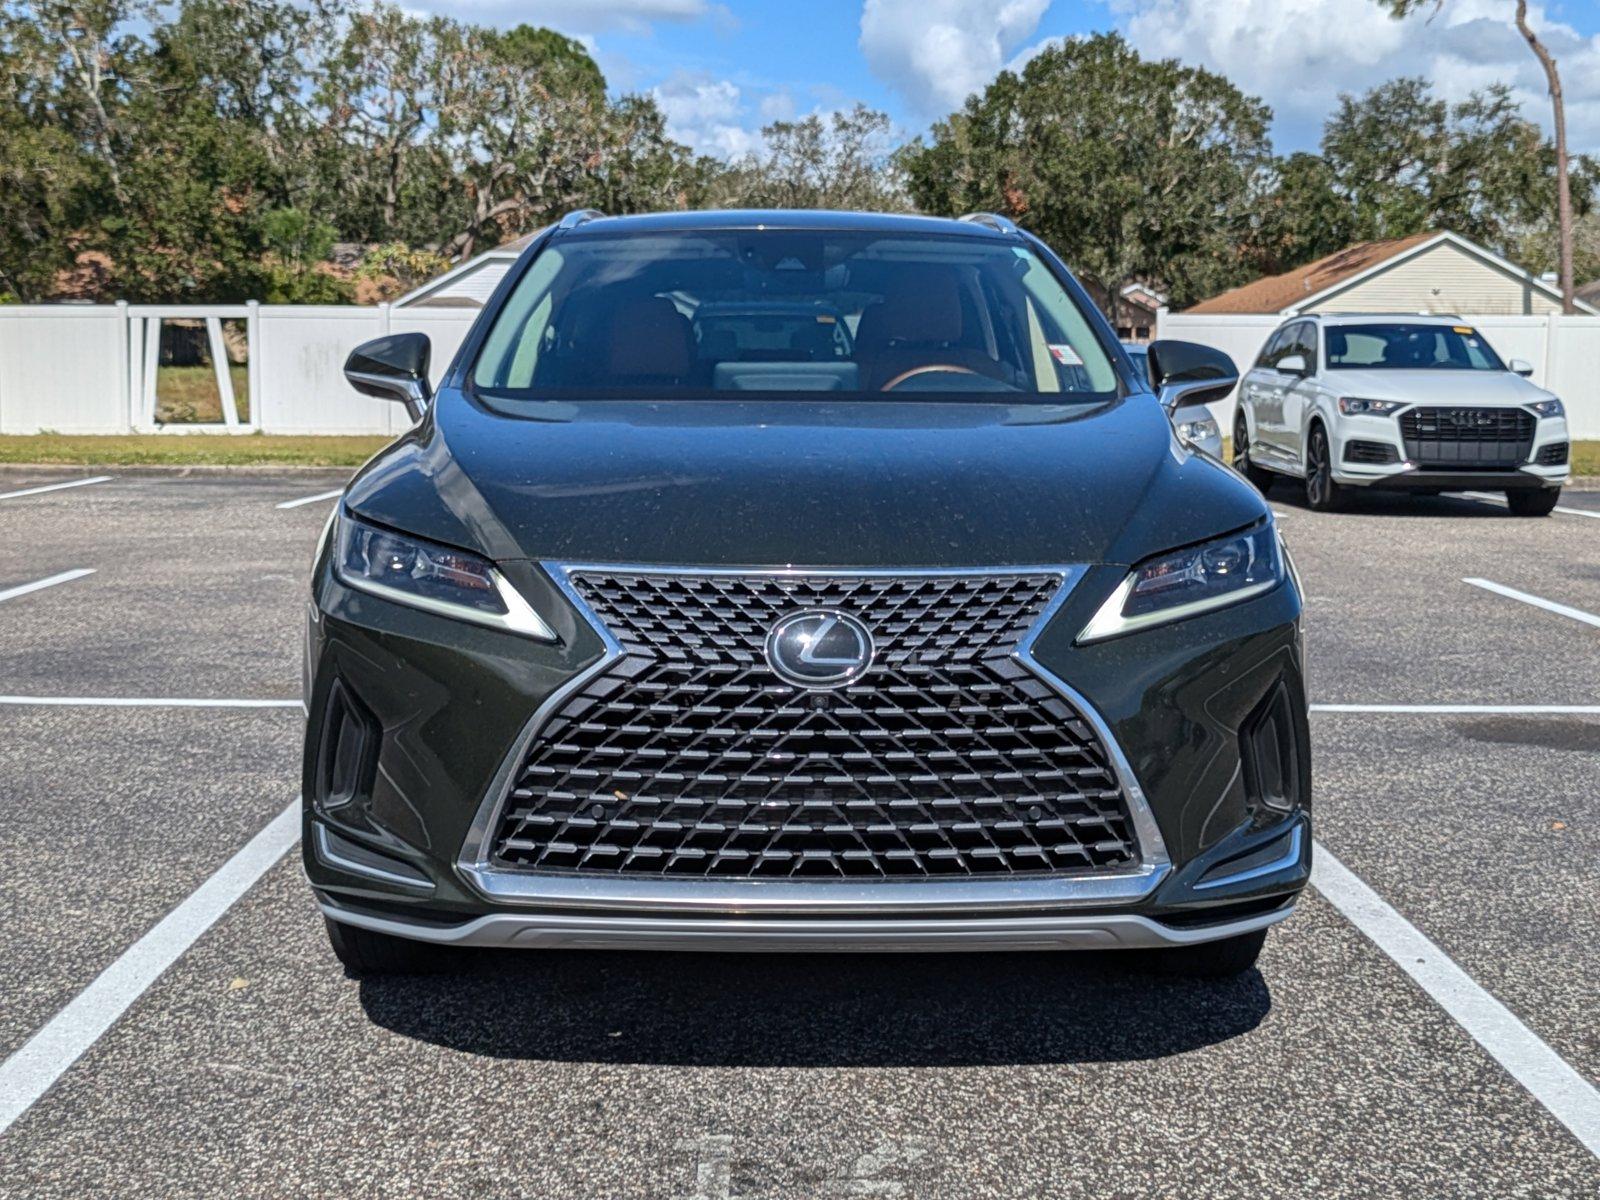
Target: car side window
(1275, 348)
(1305, 345)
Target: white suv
(1421, 403)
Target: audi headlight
(437, 579)
(1353, 406)
(1198, 431)
(1549, 408)
(1185, 583)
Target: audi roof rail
(577, 217)
(994, 221)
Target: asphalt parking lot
(151, 1051)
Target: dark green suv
(923, 633)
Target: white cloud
(585, 16)
(936, 53)
(708, 115)
(1298, 55)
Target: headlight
(1352, 406)
(1187, 582)
(1198, 431)
(1549, 408)
(452, 583)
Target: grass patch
(196, 449)
(188, 395)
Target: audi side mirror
(1189, 373)
(1521, 366)
(1293, 364)
(393, 368)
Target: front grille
(1467, 438)
(688, 756)
(1375, 453)
(1553, 455)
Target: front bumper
(1403, 474)
(444, 701)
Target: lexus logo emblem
(819, 648)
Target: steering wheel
(952, 368)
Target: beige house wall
(1441, 279)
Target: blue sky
(723, 68)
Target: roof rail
(994, 221)
(577, 217)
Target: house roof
(1304, 287)
(1277, 292)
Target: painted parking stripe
(29, 1072)
(312, 499)
(1501, 500)
(1500, 589)
(143, 702)
(54, 487)
(1523, 710)
(24, 589)
(1551, 1080)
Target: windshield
(739, 311)
(1403, 347)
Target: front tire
(1533, 504)
(1259, 476)
(1323, 493)
(366, 952)
(1221, 959)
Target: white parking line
(29, 1072)
(22, 589)
(1500, 589)
(54, 487)
(312, 499)
(1541, 710)
(1570, 1098)
(144, 702)
(1501, 500)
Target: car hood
(804, 483)
(1437, 387)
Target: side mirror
(1521, 366)
(393, 368)
(1293, 364)
(1189, 373)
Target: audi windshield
(711, 313)
(1410, 347)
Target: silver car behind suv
(1422, 403)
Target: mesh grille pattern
(688, 756)
(1370, 452)
(1467, 437)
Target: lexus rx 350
(800, 581)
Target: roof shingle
(1278, 292)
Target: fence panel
(1574, 372)
(302, 349)
(63, 368)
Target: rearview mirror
(1522, 367)
(393, 368)
(1292, 364)
(1189, 373)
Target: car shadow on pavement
(812, 1010)
(1395, 504)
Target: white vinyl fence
(93, 368)
(1564, 352)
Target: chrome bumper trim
(734, 897)
(539, 931)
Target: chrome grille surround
(1116, 878)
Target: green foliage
(408, 267)
(1398, 161)
(1130, 169)
(843, 162)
